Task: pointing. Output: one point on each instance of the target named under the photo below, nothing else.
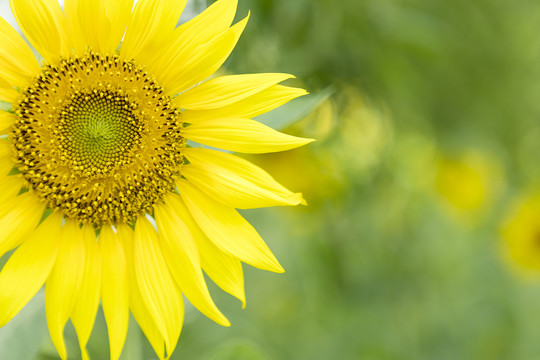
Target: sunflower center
(98, 139)
(99, 131)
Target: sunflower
(103, 199)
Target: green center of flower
(98, 139)
(99, 131)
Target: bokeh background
(427, 120)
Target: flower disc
(97, 138)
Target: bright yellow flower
(521, 235)
(96, 153)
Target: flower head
(103, 199)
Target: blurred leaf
(240, 350)
(23, 336)
(295, 110)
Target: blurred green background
(426, 114)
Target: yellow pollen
(97, 138)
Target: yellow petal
(64, 283)
(242, 135)
(19, 216)
(189, 68)
(115, 289)
(7, 92)
(227, 229)
(144, 318)
(224, 269)
(6, 121)
(182, 257)
(77, 24)
(252, 106)
(44, 25)
(152, 21)
(138, 308)
(5, 148)
(11, 186)
(26, 270)
(225, 90)
(6, 165)
(87, 298)
(17, 62)
(158, 291)
(233, 190)
(98, 24)
(212, 22)
(242, 168)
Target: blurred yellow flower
(467, 183)
(521, 234)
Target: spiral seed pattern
(97, 138)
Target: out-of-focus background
(422, 235)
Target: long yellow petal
(44, 25)
(242, 135)
(7, 92)
(227, 229)
(11, 186)
(76, 25)
(226, 90)
(6, 122)
(224, 269)
(212, 22)
(233, 190)
(26, 270)
(192, 67)
(19, 216)
(5, 148)
(252, 106)
(144, 318)
(240, 167)
(158, 290)
(115, 289)
(138, 308)
(98, 24)
(17, 62)
(87, 299)
(6, 163)
(182, 257)
(152, 21)
(64, 283)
